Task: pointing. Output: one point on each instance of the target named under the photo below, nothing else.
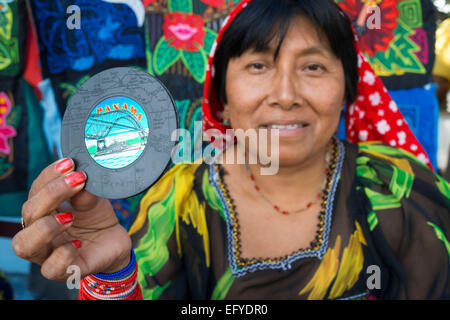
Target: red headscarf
(374, 116)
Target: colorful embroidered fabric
(374, 116)
(179, 36)
(109, 35)
(389, 211)
(23, 149)
(397, 38)
(13, 24)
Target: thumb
(85, 201)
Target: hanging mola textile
(23, 149)
(179, 37)
(397, 38)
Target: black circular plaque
(118, 129)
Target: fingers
(56, 265)
(53, 171)
(51, 195)
(34, 243)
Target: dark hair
(264, 20)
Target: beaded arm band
(121, 285)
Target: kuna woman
(338, 220)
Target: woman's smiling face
(301, 92)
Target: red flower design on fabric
(147, 2)
(215, 3)
(374, 40)
(6, 131)
(184, 31)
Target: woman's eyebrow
(314, 50)
(308, 51)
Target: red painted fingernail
(64, 218)
(64, 165)
(77, 244)
(75, 179)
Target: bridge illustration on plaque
(116, 132)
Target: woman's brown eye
(257, 66)
(314, 67)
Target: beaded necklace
(321, 196)
(241, 266)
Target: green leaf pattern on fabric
(164, 56)
(13, 118)
(195, 61)
(376, 172)
(180, 6)
(372, 220)
(9, 42)
(390, 151)
(223, 285)
(152, 252)
(400, 56)
(441, 236)
(369, 173)
(381, 201)
(210, 37)
(401, 183)
(444, 187)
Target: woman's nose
(283, 92)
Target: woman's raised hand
(65, 225)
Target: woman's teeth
(288, 127)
